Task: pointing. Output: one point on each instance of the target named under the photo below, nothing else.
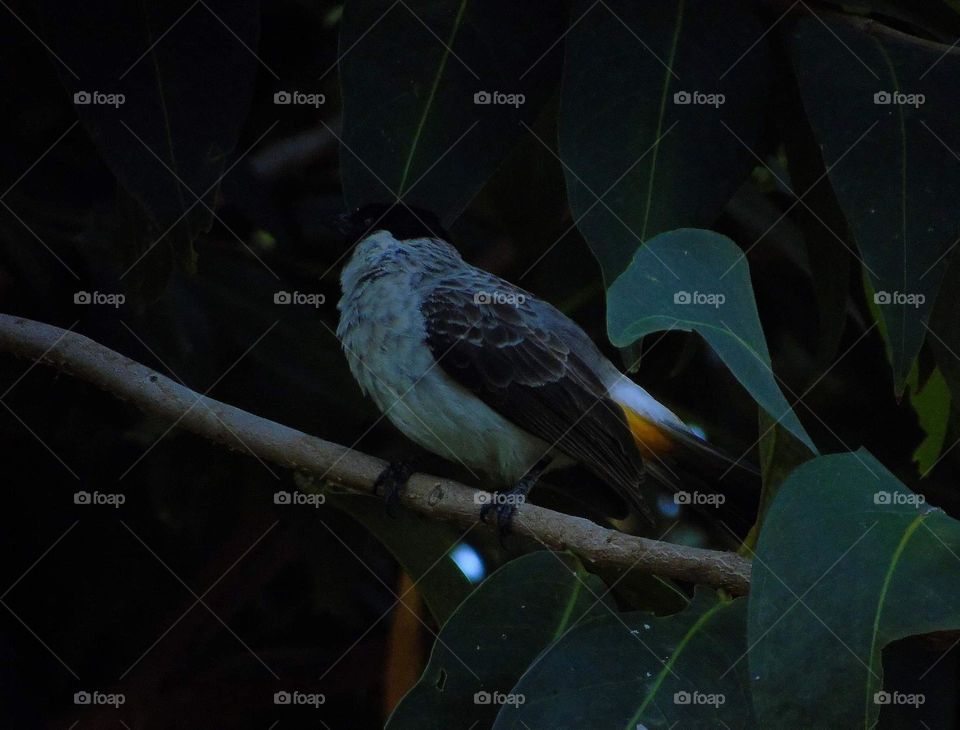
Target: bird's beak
(339, 222)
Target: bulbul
(483, 373)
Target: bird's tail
(694, 469)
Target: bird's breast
(383, 335)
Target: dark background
(97, 597)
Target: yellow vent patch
(646, 433)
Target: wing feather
(508, 355)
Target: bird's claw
(504, 508)
(392, 480)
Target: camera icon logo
(881, 697)
(481, 698)
(81, 498)
(681, 698)
(283, 97)
(82, 698)
(282, 698)
(281, 497)
(681, 497)
(482, 97)
(682, 97)
(882, 498)
(82, 297)
(682, 297)
(882, 97)
(882, 297)
(282, 297)
(82, 97)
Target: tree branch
(438, 498)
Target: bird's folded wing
(506, 353)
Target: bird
(481, 372)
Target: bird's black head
(402, 221)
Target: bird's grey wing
(512, 355)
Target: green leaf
(780, 454)
(418, 544)
(657, 164)
(409, 75)
(931, 402)
(830, 247)
(849, 560)
(944, 333)
(636, 670)
(894, 166)
(494, 635)
(698, 280)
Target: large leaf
(698, 280)
(894, 166)
(944, 333)
(931, 402)
(780, 453)
(830, 247)
(494, 635)
(410, 72)
(635, 670)
(849, 560)
(186, 79)
(657, 164)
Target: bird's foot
(505, 504)
(393, 480)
